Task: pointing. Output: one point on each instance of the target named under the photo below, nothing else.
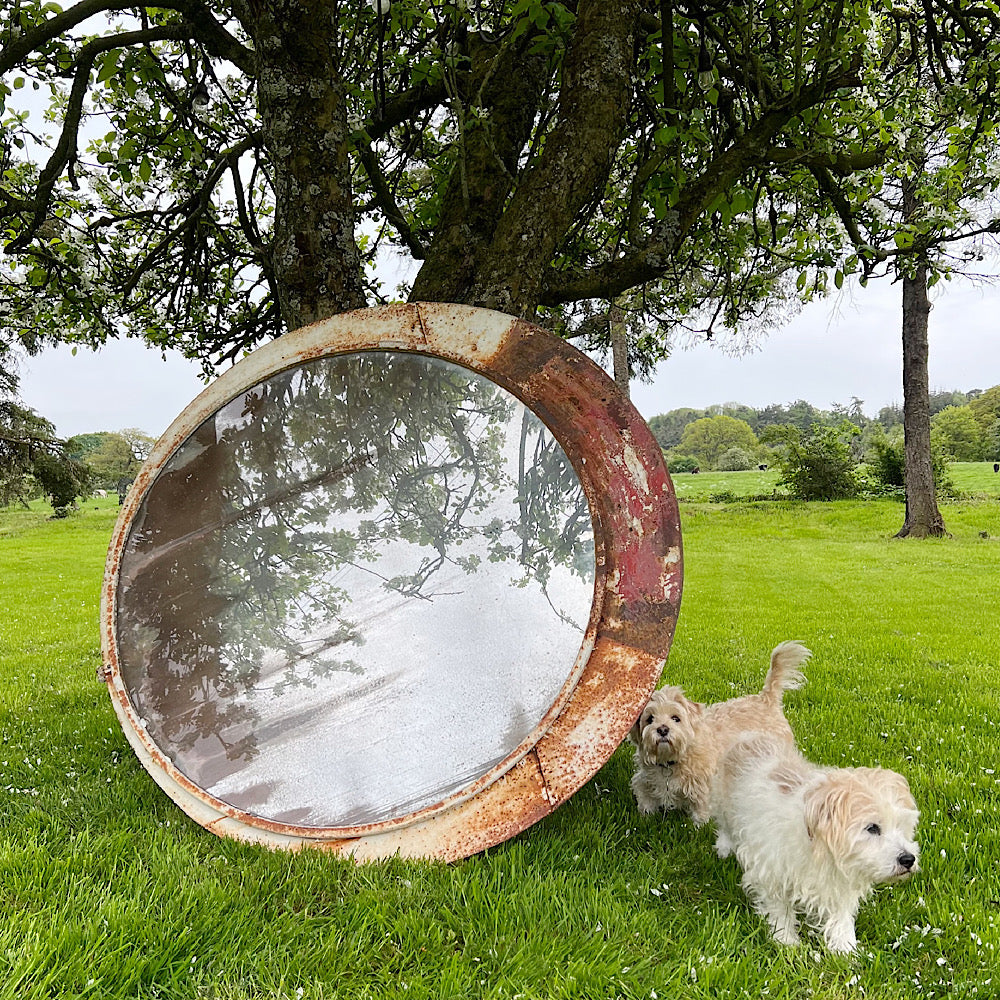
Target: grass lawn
(108, 890)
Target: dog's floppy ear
(635, 733)
(694, 707)
(826, 808)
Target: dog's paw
(842, 945)
(840, 937)
(723, 846)
(787, 936)
(781, 919)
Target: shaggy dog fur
(679, 743)
(811, 840)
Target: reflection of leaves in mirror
(555, 525)
(241, 563)
(417, 471)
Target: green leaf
(109, 66)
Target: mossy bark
(314, 260)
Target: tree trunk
(509, 84)
(314, 261)
(619, 348)
(573, 166)
(923, 518)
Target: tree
(112, 460)
(886, 456)
(221, 172)
(799, 414)
(932, 196)
(668, 427)
(923, 516)
(682, 463)
(960, 434)
(140, 443)
(735, 459)
(33, 461)
(709, 437)
(985, 408)
(818, 465)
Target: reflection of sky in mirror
(355, 590)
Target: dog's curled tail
(785, 675)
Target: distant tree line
(111, 456)
(825, 454)
(35, 463)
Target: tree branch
(575, 160)
(209, 31)
(653, 260)
(405, 106)
(66, 146)
(386, 201)
(828, 187)
(192, 209)
(841, 164)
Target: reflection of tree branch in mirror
(274, 537)
(289, 492)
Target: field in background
(108, 890)
(975, 478)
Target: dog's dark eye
(675, 718)
(649, 719)
(874, 829)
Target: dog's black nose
(663, 730)
(906, 861)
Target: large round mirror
(366, 583)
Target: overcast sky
(832, 351)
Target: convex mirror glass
(355, 589)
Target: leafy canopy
(207, 174)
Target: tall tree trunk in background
(923, 518)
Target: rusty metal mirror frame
(637, 590)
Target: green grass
(703, 485)
(108, 890)
(976, 478)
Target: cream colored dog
(679, 743)
(810, 839)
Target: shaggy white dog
(679, 742)
(809, 839)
